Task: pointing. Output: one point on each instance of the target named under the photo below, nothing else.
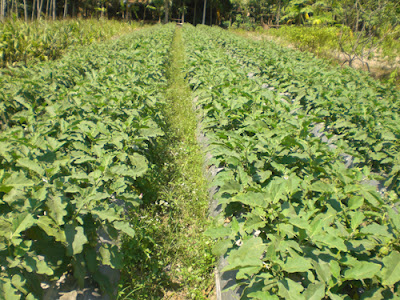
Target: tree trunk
(194, 13)
(204, 12)
(33, 9)
(183, 16)
(25, 11)
(2, 4)
(166, 7)
(54, 10)
(210, 15)
(38, 11)
(47, 10)
(39, 8)
(16, 8)
(65, 9)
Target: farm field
(104, 142)
(23, 43)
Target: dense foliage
(73, 144)
(300, 218)
(43, 40)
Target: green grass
(171, 257)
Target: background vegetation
(41, 40)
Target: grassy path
(171, 258)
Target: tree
(204, 12)
(369, 23)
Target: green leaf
(110, 256)
(252, 199)
(125, 228)
(19, 282)
(331, 241)
(103, 214)
(315, 291)
(221, 247)
(391, 271)
(262, 296)
(362, 270)
(288, 289)
(79, 269)
(372, 197)
(376, 229)
(36, 265)
(296, 264)
(57, 209)
(51, 228)
(20, 223)
(395, 218)
(139, 163)
(230, 187)
(323, 270)
(31, 165)
(355, 202)
(75, 238)
(248, 255)
(219, 232)
(356, 219)
(8, 292)
(322, 187)
(16, 180)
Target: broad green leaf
(315, 291)
(322, 187)
(19, 224)
(230, 187)
(75, 238)
(372, 197)
(288, 289)
(331, 241)
(219, 232)
(376, 229)
(139, 164)
(252, 199)
(248, 255)
(125, 228)
(103, 214)
(355, 202)
(110, 256)
(31, 165)
(16, 180)
(51, 228)
(247, 272)
(390, 273)
(323, 270)
(356, 219)
(19, 282)
(362, 270)
(79, 269)
(221, 247)
(8, 292)
(57, 209)
(262, 296)
(395, 218)
(36, 265)
(296, 264)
